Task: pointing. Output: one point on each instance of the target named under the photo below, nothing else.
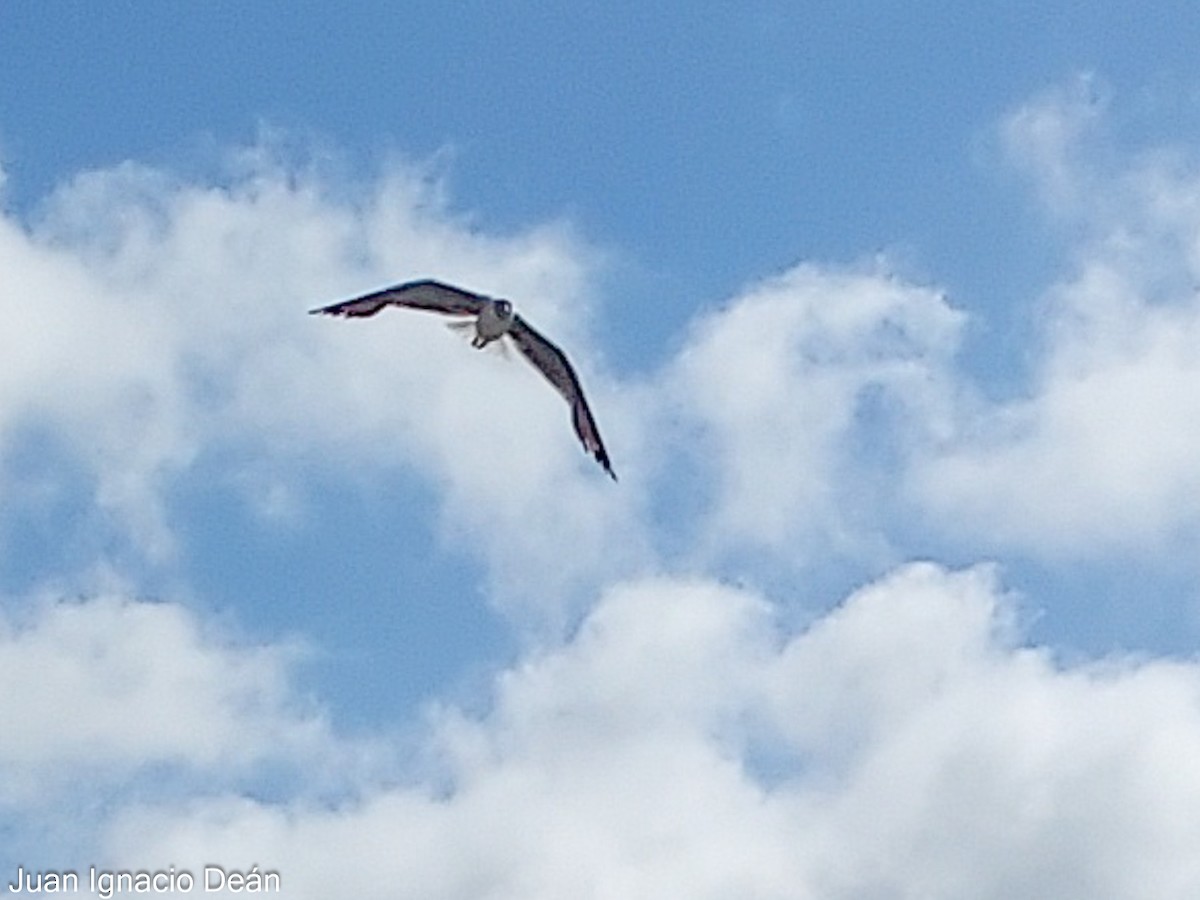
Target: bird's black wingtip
(602, 458)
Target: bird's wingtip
(606, 465)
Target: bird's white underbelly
(490, 325)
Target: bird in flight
(494, 318)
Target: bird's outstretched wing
(426, 294)
(552, 363)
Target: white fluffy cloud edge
(687, 739)
(682, 744)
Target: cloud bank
(681, 745)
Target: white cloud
(151, 321)
(771, 391)
(111, 685)
(1049, 136)
(154, 321)
(1101, 453)
(916, 749)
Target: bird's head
(504, 309)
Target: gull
(494, 318)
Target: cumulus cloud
(1100, 453)
(683, 744)
(152, 321)
(112, 685)
(779, 392)
(155, 321)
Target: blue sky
(887, 314)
